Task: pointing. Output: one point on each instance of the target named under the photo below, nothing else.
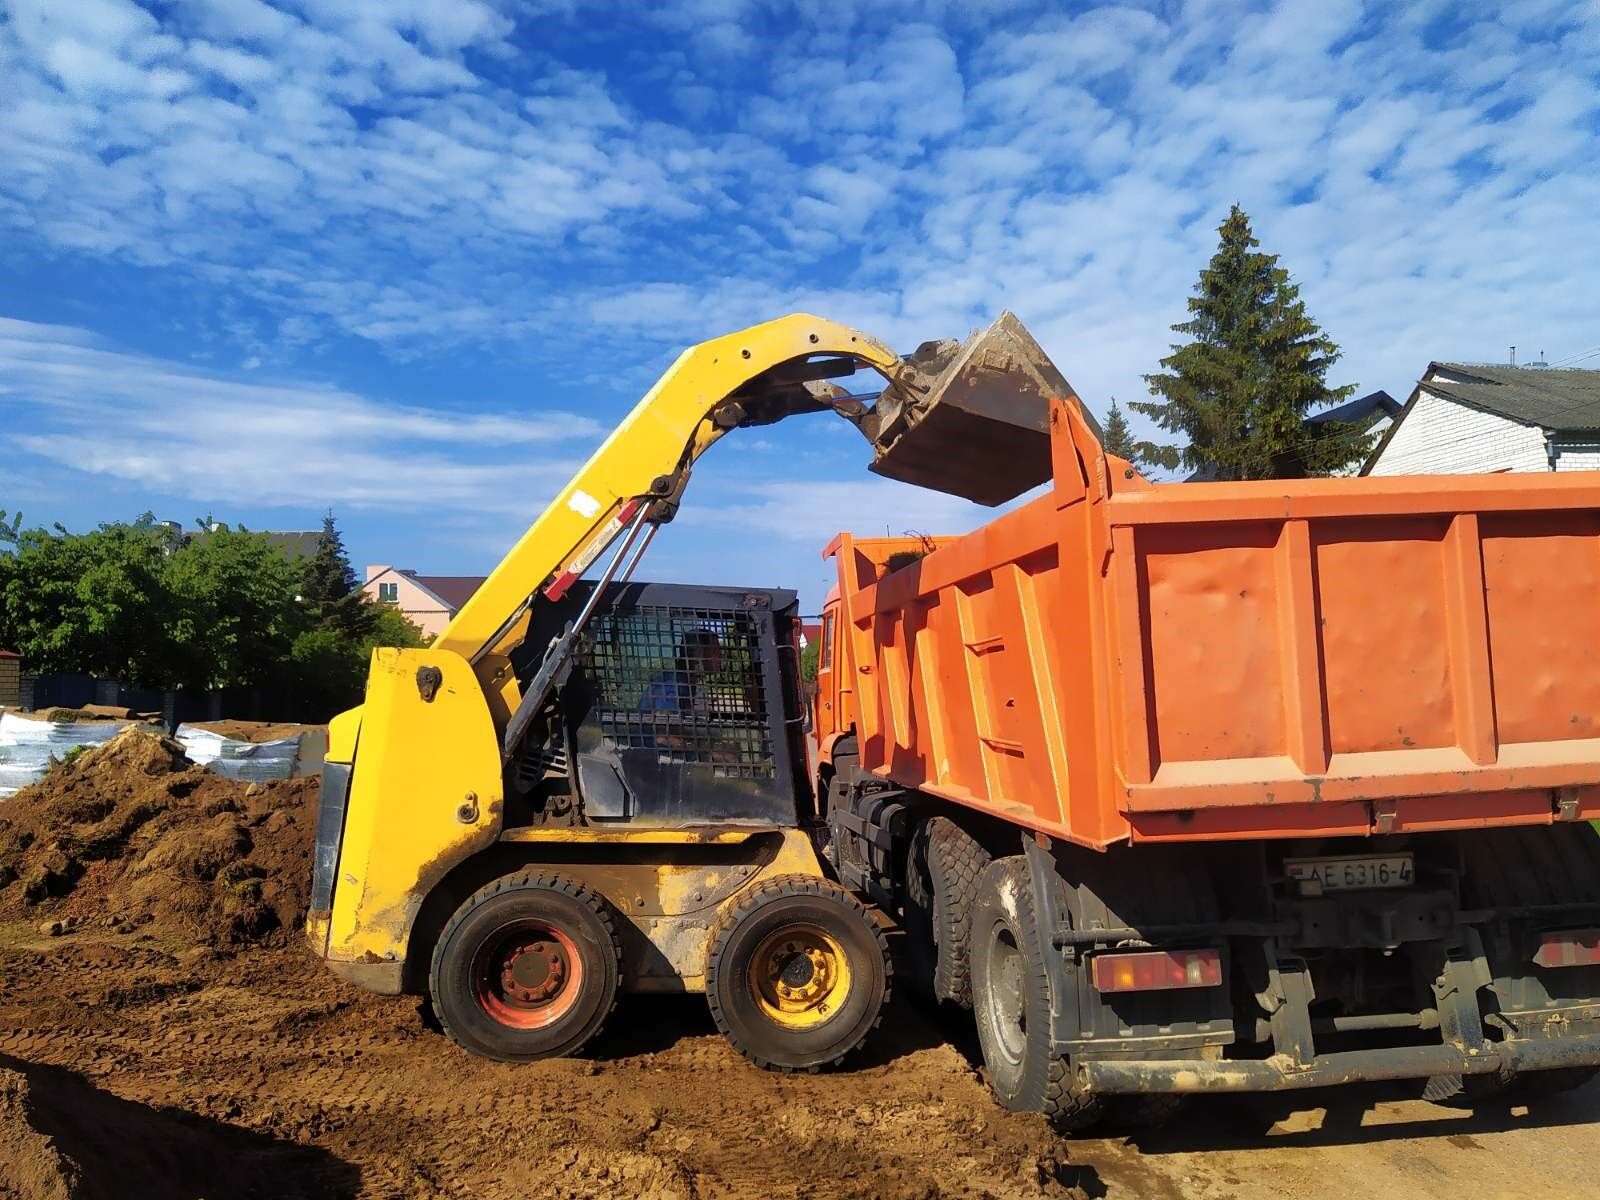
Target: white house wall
(1440, 437)
(1586, 458)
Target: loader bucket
(969, 418)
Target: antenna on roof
(1513, 356)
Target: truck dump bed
(1118, 659)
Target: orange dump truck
(1234, 786)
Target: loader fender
(425, 794)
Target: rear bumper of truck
(1281, 1073)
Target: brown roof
(454, 590)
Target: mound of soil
(131, 835)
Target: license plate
(1351, 873)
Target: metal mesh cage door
(683, 714)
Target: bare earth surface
(174, 1040)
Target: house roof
(454, 590)
(1553, 398)
(296, 543)
(300, 543)
(1371, 407)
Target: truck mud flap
(1280, 1073)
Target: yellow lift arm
(638, 473)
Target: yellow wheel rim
(799, 976)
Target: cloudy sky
(411, 259)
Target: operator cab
(682, 707)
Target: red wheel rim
(528, 976)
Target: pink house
(428, 600)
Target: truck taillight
(1573, 948)
(1155, 970)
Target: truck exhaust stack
(969, 418)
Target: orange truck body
(1121, 661)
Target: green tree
(1118, 438)
(221, 607)
(234, 612)
(329, 669)
(92, 602)
(1254, 367)
(329, 588)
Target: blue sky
(412, 258)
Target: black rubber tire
(943, 863)
(1541, 1085)
(1521, 865)
(484, 917)
(843, 852)
(1013, 999)
(755, 916)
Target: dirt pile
(132, 836)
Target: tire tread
(528, 879)
(716, 940)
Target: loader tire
(943, 863)
(527, 968)
(1013, 998)
(797, 973)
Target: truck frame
(1235, 786)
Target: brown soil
(251, 731)
(209, 1054)
(88, 712)
(132, 837)
(192, 1059)
(327, 1091)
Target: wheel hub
(534, 972)
(799, 976)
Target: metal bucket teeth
(970, 418)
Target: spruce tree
(1118, 438)
(329, 588)
(1254, 367)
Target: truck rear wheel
(1013, 998)
(798, 973)
(1523, 865)
(943, 863)
(527, 968)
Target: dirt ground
(162, 1063)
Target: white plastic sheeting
(27, 746)
(256, 761)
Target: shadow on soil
(1269, 1121)
(648, 1024)
(119, 1148)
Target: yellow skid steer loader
(590, 786)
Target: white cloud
(428, 174)
(170, 429)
